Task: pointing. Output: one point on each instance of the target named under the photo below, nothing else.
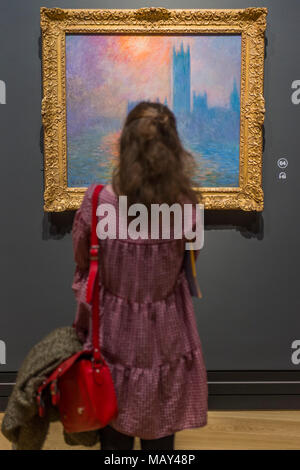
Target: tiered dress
(148, 332)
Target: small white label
(282, 175)
(282, 162)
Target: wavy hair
(153, 166)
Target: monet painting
(207, 66)
(197, 77)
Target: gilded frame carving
(249, 22)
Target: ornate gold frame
(249, 22)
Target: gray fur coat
(21, 423)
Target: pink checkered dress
(148, 331)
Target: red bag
(82, 386)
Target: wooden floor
(225, 430)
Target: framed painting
(207, 66)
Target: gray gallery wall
(249, 267)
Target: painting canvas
(196, 76)
(206, 65)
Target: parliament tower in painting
(184, 105)
(181, 81)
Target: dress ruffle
(156, 402)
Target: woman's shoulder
(85, 210)
(106, 192)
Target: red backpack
(82, 386)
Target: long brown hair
(153, 166)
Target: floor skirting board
(228, 390)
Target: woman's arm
(81, 230)
(81, 243)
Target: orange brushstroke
(141, 48)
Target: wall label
(282, 175)
(282, 162)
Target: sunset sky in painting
(104, 72)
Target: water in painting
(196, 76)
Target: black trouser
(113, 440)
